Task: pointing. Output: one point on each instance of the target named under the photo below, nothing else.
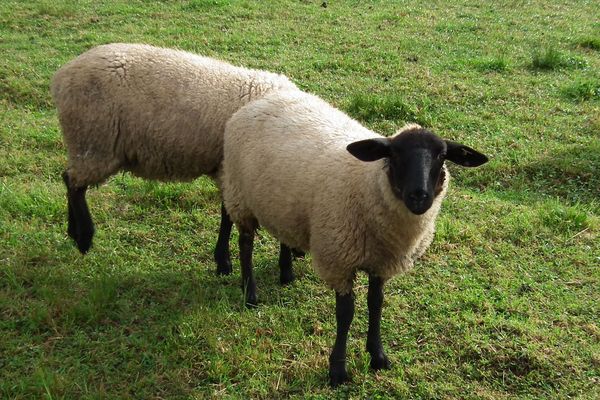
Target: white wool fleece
(157, 112)
(287, 167)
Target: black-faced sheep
(321, 182)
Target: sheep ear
(464, 155)
(370, 149)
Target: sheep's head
(415, 157)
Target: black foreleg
(375, 302)
(344, 313)
(222, 256)
(248, 282)
(80, 225)
(286, 272)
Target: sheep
(321, 182)
(158, 113)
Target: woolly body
(157, 112)
(286, 166)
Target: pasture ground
(505, 303)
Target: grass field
(505, 304)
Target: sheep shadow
(123, 319)
(145, 327)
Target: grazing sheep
(321, 182)
(159, 113)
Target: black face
(415, 158)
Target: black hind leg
(81, 227)
(222, 256)
(248, 282)
(286, 273)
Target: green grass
(382, 107)
(496, 64)
(592, 43)
(504, 305)
(550, 58)
(583, 89)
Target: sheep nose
(419, 196)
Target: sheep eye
(441, 156)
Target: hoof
(83, 240)
(224, 268)
(251, 302)
(380, 361)
(223, 261)
(338, 376)
(287, 277)
(251, 299)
